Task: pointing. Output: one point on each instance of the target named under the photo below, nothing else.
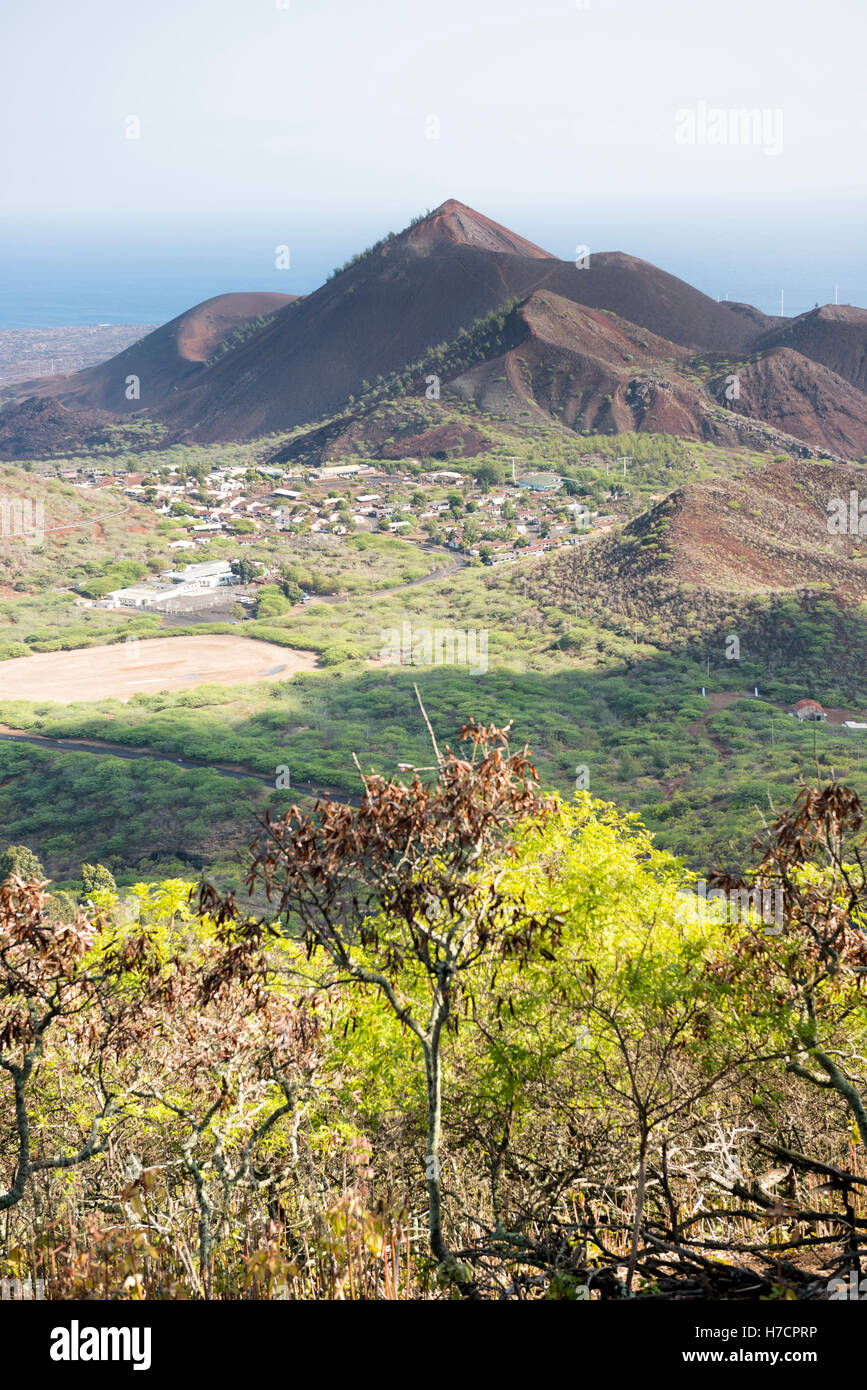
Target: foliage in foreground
(482, 1045)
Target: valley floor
(122, 670)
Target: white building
(205, 576)
(135, 596)
(193, 579)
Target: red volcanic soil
(653, 299)
(596, 373)
(834, 336)
(39, 428)
(804, 399)
(459, 225)
(591, 370)
(408, 294)
(762, 323)
(604, 348)
(162, 360)
(765, 531)
(599, 373)
(453, 440)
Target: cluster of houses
(246, 501)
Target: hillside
(549, 362)
(382, 311)
(68, 533)
(803, 398)
(616, 346)
(749, 555)
(413, 291)
(835, 336)
(40, 427)
(763, 532)
(162, 360)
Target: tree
(292, 591)
(807, 976)
(22, 862)
(59, 980)
(228, 1060)
(245, 570)
(95, 878)
(403, 893)
(487, 476)
(271, 603)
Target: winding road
(120, 750)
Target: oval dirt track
(125, 669)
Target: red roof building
(809, 709)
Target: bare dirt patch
(124, 669)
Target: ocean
(45, 286)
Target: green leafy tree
(404, 896)
(96, 878)
(22, 862)
(245, 569)
(271, 603)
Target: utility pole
(782, 304)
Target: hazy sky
(311, 125)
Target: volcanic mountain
(835, 336)
(615, 344)
(750, 555)
(799, 396)
(162, 360)
(765, 531)
(550, 360)
(39, 428)
(403, 296)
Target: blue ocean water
(44, 285)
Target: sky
(322, 125)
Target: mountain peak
(455, 224)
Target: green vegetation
(486, 1027)
(22, 862)
(140, 819)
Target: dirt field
(161, 663)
